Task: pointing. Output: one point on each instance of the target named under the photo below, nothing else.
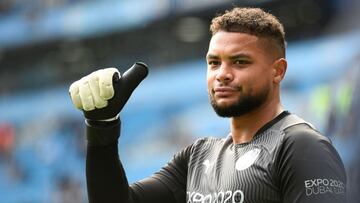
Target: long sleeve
(106, 178)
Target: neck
(244, 128)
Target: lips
(225, 91)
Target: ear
(279, 70)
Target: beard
(244, 104)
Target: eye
(241, 62)
(214, 63)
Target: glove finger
(95, 90)
(75, 96)
(85, 95)
(106, 82)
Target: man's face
(239, 73)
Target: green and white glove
(102, 94)
(94, 94)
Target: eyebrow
(237, 56)
(213, 56)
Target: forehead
(233, 42)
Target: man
(270, 154)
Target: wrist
(110, 119)
(102, 133)
(102, 122)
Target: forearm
(106, 179)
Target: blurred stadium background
(47, 44)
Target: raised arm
(101, 95)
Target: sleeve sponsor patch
(322, 186)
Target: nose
(224, 74)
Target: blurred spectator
(351, 126)
(6, 6)
(343, 124)
(7, 158)
(68, 190)
(7, 140)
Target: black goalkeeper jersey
(286, 161)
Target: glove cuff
(104, 120)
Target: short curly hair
(252, 21)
